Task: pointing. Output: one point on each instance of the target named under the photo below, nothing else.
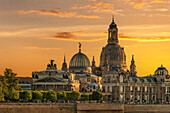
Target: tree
(44, 93)
(85, 97)
(61, 96)
(76, 95)
(51, 95)
(26, 95)
(96, 95)
(36, 95)
(1, 93)
(13, 95)
(68, 95)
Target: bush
(96, 95)
(85, 97)
(51, 95)
(44, 95)
(26, 95)
(61, 96)
(36, 95)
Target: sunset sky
(34, 31)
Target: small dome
(161, 71)
(79, 61)
(93, 84)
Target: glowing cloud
(98, 6)
(41, 48)
(57, 13)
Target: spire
(133, 71)
(64, 58)
(132, 57)
(64, 66)
(113, 21)
(93, 62)
(113, 32)
(79, 47)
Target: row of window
(132, 88)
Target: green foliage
(44, 93)
(73, 95)
(90, 97)
(36, 95)
(76, 95)
(61, 96)
(85, 97)
(1, 93)
(26, 95)
(10, 85)
(13, 94)
(96, 95)
(51, 95)
(68, 95)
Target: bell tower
(133, 71)
(113, 33)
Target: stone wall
(82, 108)
(37, 108)
(147, 108)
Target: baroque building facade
(53, 79)
(122, 85)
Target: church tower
(133, 72)
(113, 53)
(64, 66)
(113, 33)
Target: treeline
(50, 95)
(11, 91)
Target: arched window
(108, 79)
(121, 78)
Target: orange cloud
(98, 6)
(41, 48)
(141, 3)
(140, 39)
(72, 37)
(57, 13)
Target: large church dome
(113, 54)
(79, 63)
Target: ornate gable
(49, 79)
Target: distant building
(25, 83)
(53, 79)
(80, 66)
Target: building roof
(143, 79)
(93, 84)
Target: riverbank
(82, 108)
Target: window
(121, 88)
(121, 98)
(103, 88)
(121, 78)
(131, 88)
(146, 89)
(153, 89)
(131, 97)
(138, 88)
(138, 97)
(146, 97)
